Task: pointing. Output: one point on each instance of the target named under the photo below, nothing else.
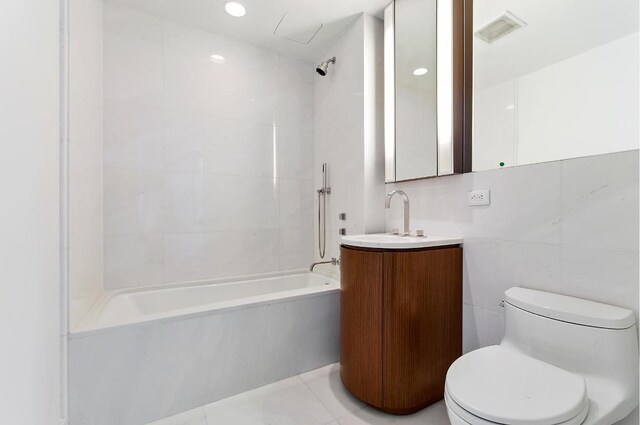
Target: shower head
(322, 68)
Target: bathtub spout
(334, 261)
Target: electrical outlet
(478, 197)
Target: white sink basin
(389, 241)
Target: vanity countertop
(391, 241)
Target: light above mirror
(235, 9)
(218, 59)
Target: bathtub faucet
(334, 261)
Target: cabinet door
(361, 323)
(422, 325)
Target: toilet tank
(595, 340)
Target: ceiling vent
(500, 27)
(299, 29)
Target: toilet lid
(507, 387)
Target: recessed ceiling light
(218, 58)
(420, 71)
(234, 8)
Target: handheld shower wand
(322, 211)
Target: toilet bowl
(562, 361)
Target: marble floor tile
(316, 397)
(328, 388)
(435, 414)
(320, 372)
(275, 405)
(190, 417)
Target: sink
(390, 241)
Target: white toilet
(562, 360)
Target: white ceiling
(556, 30)
(262, 17)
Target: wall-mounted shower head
(322, 68)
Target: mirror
(554, 80)
(425, 70)
(415, 89)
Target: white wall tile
(480, 328)
(213, 161)
(340, 129)
(185, 80)
(188, 256)
(294, 153)
(238, 148)
(132, 70)
(260, 250)
(130, 23)
(492, 266)
(184, 141)
(600, 275)
(600, 201)
(296, 248)
(295, 104)
(240, 202)
(568, 227)
(296, 204)
(133, 260)
(85, 110)
(296, 69)
(133, 201)
(535, 188)
(133, 136)
(183, 202)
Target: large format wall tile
(85, 132)
(132, 260)
(211, 161)
(600, 201)
(132, 70)
(569, 227)
(600, 275)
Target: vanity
(401, 318)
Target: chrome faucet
(334, 261)
(406, 208)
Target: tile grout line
(334, 419)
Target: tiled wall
(85, 157)
(348, 133)
(569, 227)
(207, 166)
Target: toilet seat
(499, 385)
(468, 418)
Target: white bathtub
(128, 306)
(141, 355)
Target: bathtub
(144, 354)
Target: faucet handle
(419, 233)
(395, 231)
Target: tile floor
(313, 398)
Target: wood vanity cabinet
(401, 324)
